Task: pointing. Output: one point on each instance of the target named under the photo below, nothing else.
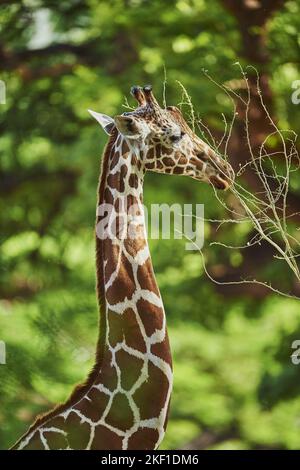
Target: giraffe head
(165, 142)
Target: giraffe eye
(177, 138)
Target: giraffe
(125, 400)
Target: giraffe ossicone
(125, 400)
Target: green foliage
(234, 380)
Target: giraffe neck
(124, 402)
(135, 349)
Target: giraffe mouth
(215, 170)
(224, 176)
(219, 183)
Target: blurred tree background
(235, 386)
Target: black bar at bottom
(134, 459)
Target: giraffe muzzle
(223, 176)
(216, 170)
(219, 183)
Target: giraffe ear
(105, 121)
(128, 126)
